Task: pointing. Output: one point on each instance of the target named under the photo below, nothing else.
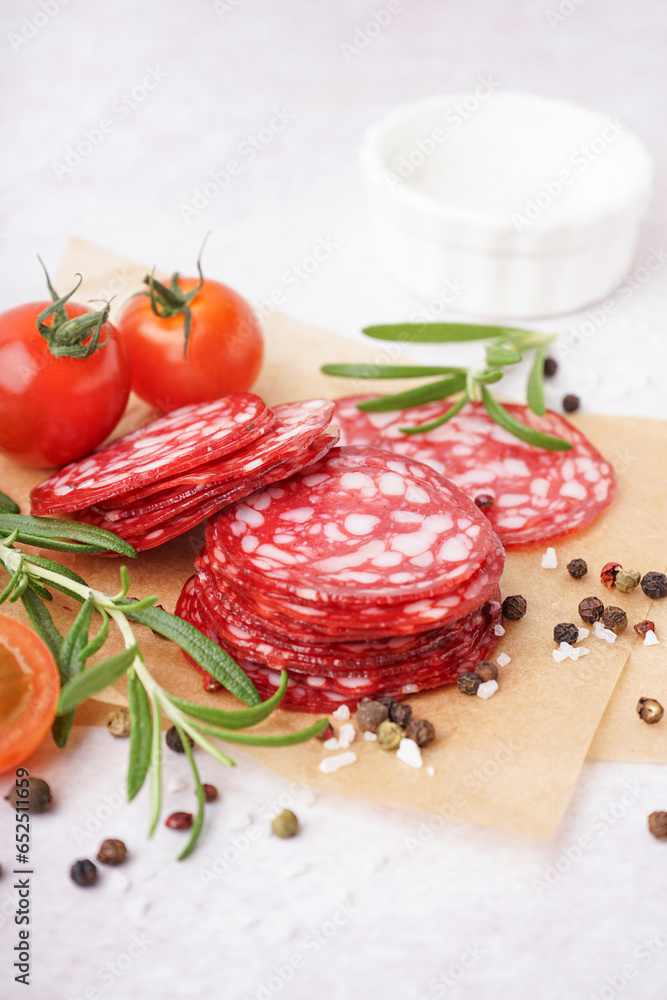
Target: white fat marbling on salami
(538, 494)
(360, 524)
(179, 440)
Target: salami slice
(537, 494)
(182, 439)
(296, 425)
(361, 526)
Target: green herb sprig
(506, 346)
(31, 580)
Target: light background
(410, 911)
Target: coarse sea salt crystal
(369, 736)
(175, 785)
(561, 654)
(409, 752)
(499, 630)
(606, 634)
(330, 764)
(487, 689)
(430, 770)
(651, 639)
(331, 744)
(583, 634)
(346, 735)
(549, 560)
(342, 712)
(503, 660)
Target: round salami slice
(536, 494)
(361, 527)
(187, 437)
(296, 425)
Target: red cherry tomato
(224, 350)
(54, 410)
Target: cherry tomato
(54, 410)
(224, 347)
(29, 692)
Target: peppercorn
(486, 671)
(210, 793)
(83, 872)
(627, 580)
(112, 852)
(650, 710)
(654, 585)
(388, 702)
(174, 740)
(390, 735)
(571, 403)
(285, 824)
(641, 628)
(421, 731)
(326, 734)
(370, 714)
(577, 568)
(38, 799)
(657, 824)
(514, 607)
(179, 821)
(468, 682)
(566, 632)
(590, 609)
(615, 619)
(608, 574)
(400, 714)
(550, 367)
(211, 685)
(485, 501)
(118, 722)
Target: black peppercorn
(485, 501)
(614, 619)
(370, 714)
(571, 403)
(566, 632)
(641, 628)
(400, 714)
(386, 701)
(83, 872)
(210, 793)
(112, 852)
(590, 609)
(468, 682)
(654, 585)
(577, 568)
(550, 367)
(514, 607)
(179, 821)
(486, 671)
(174, 740)
(657, 824)
(421, 731)
(650, 710)
(38, 799)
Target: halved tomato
(29, 692)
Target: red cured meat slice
(296, 425)
(538, 494)
(177, 524)
(179, 440)
(361, 526)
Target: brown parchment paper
(510, 762)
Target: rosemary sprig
(506, 346)
(30, 576)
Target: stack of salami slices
(534, 494)
(364, 574)
(174, 472)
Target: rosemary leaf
(237, 719)
(389, 371)
(96, 644)
(63, 536)
(534, 388)
(413, 397)
(250, 739)
(7, 505)
(451, 412)
(95, 679)
(434, 333)
(528, 434)
(141, 734)
(201, 797)
(42, 621)
(71, 663)
(496, 354)
(155, 765)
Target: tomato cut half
(29, 692)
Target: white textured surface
(410, 898)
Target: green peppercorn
(577, 568)
(627, 580)
(566, 632)
(118, 722)
(514, 607)
(370, 714)
(650, 710)
(390, 735)
(590, 609)
(285, 824)
(468, 682)
(615, 619)
(486, 671)
(657, 824)
(421, 731)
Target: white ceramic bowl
(505, 204)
